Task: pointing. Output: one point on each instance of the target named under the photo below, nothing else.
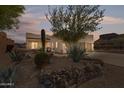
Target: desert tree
(9, 15)
(72, 23)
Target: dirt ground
(113, 78)
(27, 74)
(5, 61)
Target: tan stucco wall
(88, 43)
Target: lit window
(52, 44)
(64, 45)
(56, 44)
(48, 44)
(34, 45)
(64, 48)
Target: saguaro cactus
(43, 39)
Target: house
(33, 41)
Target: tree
(73, 22)
(9, 16)
(43, 39)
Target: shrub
(41, 59)
(16, 56)
(76, 53)
(69, 77)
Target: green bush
(41, 58)
(76, 53)
(16, 56)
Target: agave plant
(16, 56)
(76, 53)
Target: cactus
(43, 39)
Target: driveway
(110, 58)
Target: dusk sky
(33, 20)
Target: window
(56, 44)
(48, 44)
(64, 48)
(52, 44)
(34, 45)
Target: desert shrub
(16, 56)
(41, 59)
(76, 53)
(98, 61)
(93, 68)
(95, 61)
(7, 77)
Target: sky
(33, 20)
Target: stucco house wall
(56, 44)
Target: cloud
(28, 20)
(28, 23)
(16, 36)
(112, 20)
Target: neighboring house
(33, 41)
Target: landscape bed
(27, 76)
(58, 72)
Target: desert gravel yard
(113, 78)
(27, 74)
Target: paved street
(110, 58)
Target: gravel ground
(27, 74)
(5, 61)
(113, 78)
